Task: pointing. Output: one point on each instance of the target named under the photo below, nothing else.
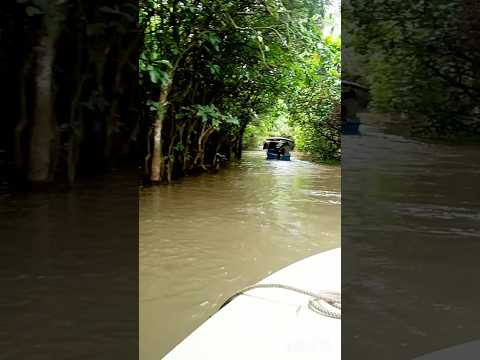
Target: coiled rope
(326, 303)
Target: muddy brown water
(410, 237)
(208, 236)
(69, 289)
(410, 244)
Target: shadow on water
(206, 237)
(411, 239)
(69, 262)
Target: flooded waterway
(68, 276)
(410, 244)
(205, 237)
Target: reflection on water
(411, 240)
(68, 279)
(204, 238)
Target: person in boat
(284, 150)
(279, 149)
(271, 148)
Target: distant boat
(350, 127)
(278, 148)
(271, 321)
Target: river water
(410, 247)
(205, 237)
(410, 244)
(68, 279)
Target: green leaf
(166, 62)
(233, 120)
(214, 69)
(214, 40)
(158, 76)
(154, 76)
(153, 105)
(179, 147)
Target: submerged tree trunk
(73, 151)
(216, 163)
(147, 166)
(202, 140)
(239, 144)
(75, 116)
(178, 133)
(188, 142)
(171, 159)
(43, 129)
(157, 154)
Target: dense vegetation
(209, 68)
(420, 59)
(308, 110)
(173, 83)
(68, 69)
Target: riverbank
(317, 159)
(416, 128)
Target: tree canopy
(172, 82)
(209, 68)
(419, 58)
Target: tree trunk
(175, 131)
(202, 139)
(239, 143)
(186, 154)
(23, 116)
(157, 154)
(171, 154)
(171, 159)
(75, 123)
(216, 163)
(117, 92)
(199, 146)
(43, 130)
(147, 166)
(204, 144)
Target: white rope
(327, 303)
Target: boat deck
(273, 323)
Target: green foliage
(419, 58)
(306, 107)
(224, 65)
(74, 64)
(208, 113)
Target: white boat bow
(274, 323)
